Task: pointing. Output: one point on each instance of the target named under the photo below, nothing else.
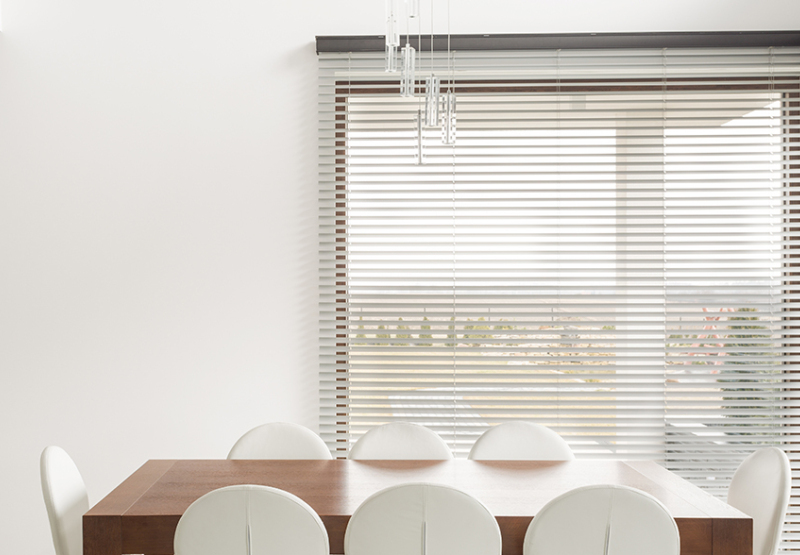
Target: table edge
(649, 469)
(125, 495)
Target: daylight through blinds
(607, 249)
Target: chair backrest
(417, 519)
(65, 498)
(613, 520)
(520, 441)
(250, 520)
(400, 441)
(280, 440)
(760, 488)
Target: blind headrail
(576, 41)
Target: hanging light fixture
(440, 107)
(449, 99)
(449, 117)
(392, 35)
(407, 74)
(407, 77)
(408, 52)
(432, 101)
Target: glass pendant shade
(392, 35)
(449, 118)
(391, 57)
(418, 152)
(432, 101)
(407, 75)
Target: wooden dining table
(141, 514)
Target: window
(608, 249)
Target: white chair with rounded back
(761, 488)
(416, 519)
(520, 441)
(65, 498)
(250, 520)
(400, 441)
(280, 440)
(617, 520)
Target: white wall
(158, 212)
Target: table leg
(512, 531)
(102, 535)
(733, 536)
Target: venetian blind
(607, 249)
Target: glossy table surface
(140, 515)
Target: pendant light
(440, 107)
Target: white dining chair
(65, 499)
(760, 488)
(520, 441)
(280, 440)
(250, 520)
(603, 519)
(400, 441)
(421, 519)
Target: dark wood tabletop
(141, 514)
